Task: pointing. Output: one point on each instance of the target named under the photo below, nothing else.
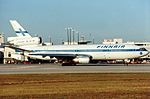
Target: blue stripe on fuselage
(90, 50)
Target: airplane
(74, 54)
(23, 37)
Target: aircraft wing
(60, 55)
(54, 55)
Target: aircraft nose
(148, 52)
(144, 53)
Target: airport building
(1, 48)
(113, 41)
(1, 38)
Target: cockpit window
(143, 49)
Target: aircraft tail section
(20, 31)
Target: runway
(89, 68)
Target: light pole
(93, 40)
(78, 38)
(67, 29)
(70, 31)
(73, 32)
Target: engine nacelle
(83, 60)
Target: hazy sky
(127, 19)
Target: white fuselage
(97, 52)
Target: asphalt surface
(86, 68)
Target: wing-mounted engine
(82, 59)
